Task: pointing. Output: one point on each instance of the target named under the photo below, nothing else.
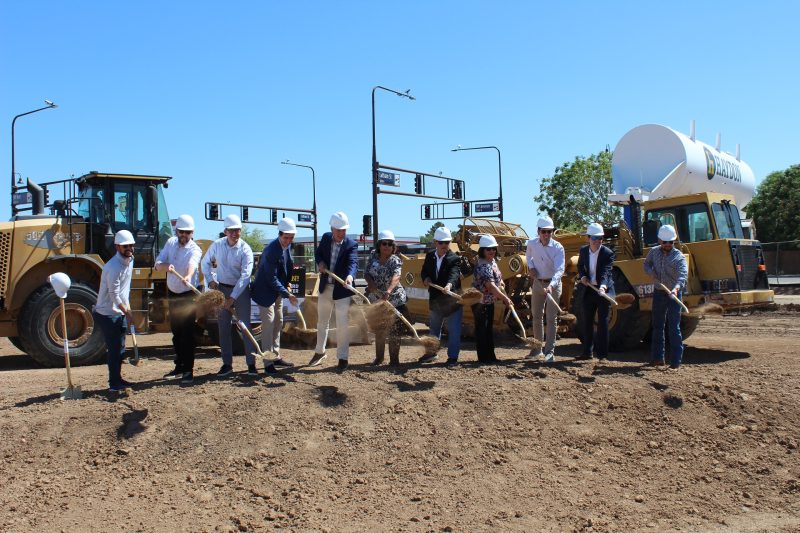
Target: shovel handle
(603, 294)
(302, 319)
(66, 342)
(346, 286)
(244, 329)
(406, 322)
(449, 293)
(172, 270)
(672, 295)
(554, 302)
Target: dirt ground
(576, 446)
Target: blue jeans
(666, 313)
(113, 328)
(453, 329)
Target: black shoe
(377, 362)
(428, 358)
(175, 374)
(656, 363)
(342, 365)
(187, 378)
(317, 359)
(269, 368)
(252, 370)
(585, 356)
(602, 357)
(282, 363)
(225, 371)
(128, 384)
(451, 361)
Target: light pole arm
(314, 191)
(499, 170)
(49, 105)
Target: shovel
(135, 359)
(61, 284)
(672, 295)
(72, 392)
(346, 286)
(445, 291)
(603, 294)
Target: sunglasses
(387, 243)
(185, 231)
(596, 238)
(439, 243)
(126, 245)
(546, 231)
(492, 249)
(667, 242)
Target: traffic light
(213, 212)
(46, 195)
(458, 190)
(418, 184)
(274, 216)
(245, 214)
(427, 210)
(366, 225)
(466, 209)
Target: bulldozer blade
(72, 392)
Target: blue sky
(217, 94)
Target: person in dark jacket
(442, 268)
(595, 262)
(337, 252)
(271, 286)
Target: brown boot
(394, 353)
(380, 347)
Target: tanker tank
(662, 162)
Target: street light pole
(499, 170)
(375, 158)
(49, 105)
(314, 188)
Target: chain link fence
(782, 260)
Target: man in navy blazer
(271, 286)
(595, 263)
(338, 253)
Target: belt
(226, 285)
(548, 280)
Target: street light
(499, 170)
(49, 105)
(375, 157)
(314, 188)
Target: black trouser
(484, 332)
(593, 302)
(181, 321)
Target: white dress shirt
(593, 266)
(234, 264)
(547, 260)
(182, 258)
(115, 286)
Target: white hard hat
(339, 220)
(233, 222)
(185, 223)
(60, 283)
(287, 225)
(442, 234)
(545, 222)
(667, 233)
(487, 241)
(124, 236)
(595, 230)
(386, 235)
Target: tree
(428, 237)
(576, 194)
(253, 237)
(776, 205)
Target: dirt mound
(574, 446)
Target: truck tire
(40, 327)
(627, 328)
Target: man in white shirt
(545, 258)
(181, 255)
(234, 264)
(112, 313)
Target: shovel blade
(72, 393)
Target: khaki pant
(325, 306)
(541, 305)
(271, 326)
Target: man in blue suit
(336, 252)
(595, 263)
(271, 287)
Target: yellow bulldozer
(76, 236)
